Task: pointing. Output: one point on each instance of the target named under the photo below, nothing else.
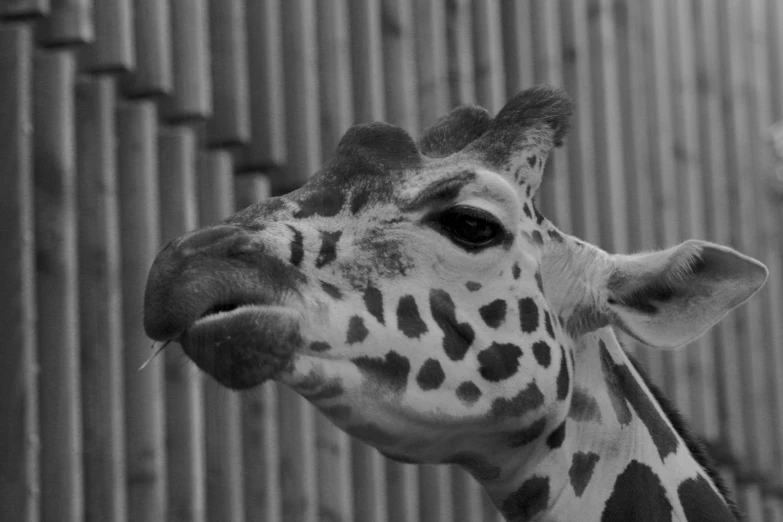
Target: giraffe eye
(470, 227)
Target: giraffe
(415, 295)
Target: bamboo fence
(124, 123)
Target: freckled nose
(207, 239)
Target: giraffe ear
(455, 131)
(666, 299)
(518, 141)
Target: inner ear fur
(668, 298)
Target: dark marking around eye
(539, 282)
(468, 392)
(357, 332)
(326, 203)
(581, 471)
(532, 160)
(584, 407)
(694, 494)
(526, 209)
(563, 380)
(328, 251)
(526, 400)
(494, 313)
(373, 300)
(297, 247)
(516, 271)
(475, 464)
(499, 361)
(630, 390)
(556, 438)
(526, 436)
(548, 323)
(542, 353)
(529, 500)
(409, 321)
(332, 290)
(473, 286)
(391, 371)
(320, 346)
(528, 315)
(457, 337)
(430, 375)
(635, 482)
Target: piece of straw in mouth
(154, 354)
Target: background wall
(124, 123)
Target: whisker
(149, 359)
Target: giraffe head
(415, 295)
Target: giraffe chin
(245, 347)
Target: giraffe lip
(244, 346)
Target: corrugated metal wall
(124, 123)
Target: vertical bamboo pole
(57, 287)
(19, 439)
(68, 22)
(260, 429)
(731, 416)
(298, 456)
(768, 302)
(399, 65)
(743, 228)
(230, 123)
(367, 59)
(581, 150)
(185, 449)
(488, 55)
(99, 303)
(431, 61)
(774, 19)
(267, 148)
(137, 162)
(333, 446)
(152, 74)
(459, 48)
(699, 356)
(222, 408)
(517, 20)
(18, 9)
(191, 97)
(114, 46)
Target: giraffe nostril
(206, 238)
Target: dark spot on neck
(297, 247)
(701, 503)
(430, 375)
(528, 315)
(548, 324)
(529, 500)
(556, 438)
(328, 251)
(638, 495)
(539, 282)
(532, 160)
(581, 471)
(584, 407)
(320, 346)
(542, 353)
(563, 380)
(499, 361)
(468, 392)
(494, 313)
(515, 271)
(537, 239)
(391, 371)
(332, 290)
(473, 286)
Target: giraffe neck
(619, 457)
